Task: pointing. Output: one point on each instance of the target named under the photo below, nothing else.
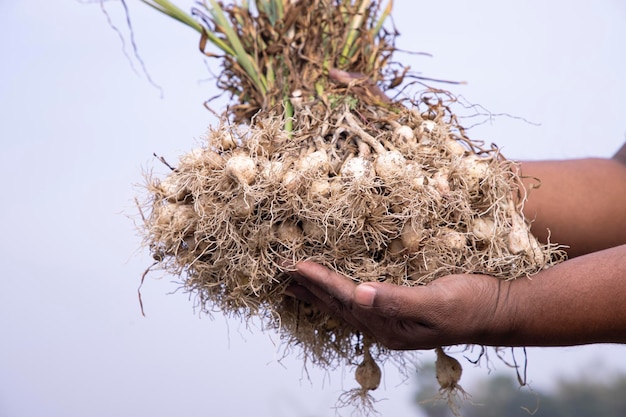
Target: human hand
(360, 82)
(456, 309)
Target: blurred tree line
(502, 396)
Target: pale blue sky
(78, 127)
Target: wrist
(496, 324)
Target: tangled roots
(398, 196)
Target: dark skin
(580, 301)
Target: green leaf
(173, 11)
(240, 54)
(353, 31)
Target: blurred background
(79, 123)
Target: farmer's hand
(451, 310)
(359, 82)
(576, 302)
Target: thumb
(392, 300)
(365, 295)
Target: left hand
(359, 81)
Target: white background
(78, 128)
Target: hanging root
(368, 375)
(448, 372)
(363, 404)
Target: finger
(344, 77)
(294, 290)
(352, 78)
(396, 302)
(303, 294)
(386, 312)
(370, 302)
(330, 306)
(323, 282)
(319, 296)
(387, 300)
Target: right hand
(456, 309)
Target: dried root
(389, 195)
(448, 372)
(368, 375)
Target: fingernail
(364, 295)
